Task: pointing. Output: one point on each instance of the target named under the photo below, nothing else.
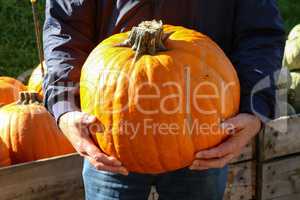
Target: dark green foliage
(17, 41)
(290, 10)
(17, 38)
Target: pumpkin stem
(147, 38)
(26, 98)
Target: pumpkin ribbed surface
(4, 155)
(30, 132)
(146, 100)
(9, 90)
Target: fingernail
(118, 163)
(115, 161)
(194, 164)
(124, 171)
(199, 155)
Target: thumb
(238, 122)
(93, 124)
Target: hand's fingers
(238, 122)
(92, 123)
(95, 128)
(220, 151)
(212, 163)
(211, 153)
(198, 168)
(232, 145)
(103, 167)
(86, 147)
(94, 152)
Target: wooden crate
(278, 175)
(60, 178)
(280, 179)
(280, 137)
(241, 181)
(55, 178)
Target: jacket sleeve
(68, 38)
(257, 54)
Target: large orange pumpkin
(35, 81)
(161, 93)
(4, 155)
(9, 90)
(30, 132)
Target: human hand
(78, 127)
(243, 128)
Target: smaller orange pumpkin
(4, 155)
(9, 90)
(30, 132)
(35, 81)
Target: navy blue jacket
(249, 31)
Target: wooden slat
(281, 179)
(241, 181)
(280, 138)
(55, 178)
(60, 178)
(288, 197)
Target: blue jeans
(182, 184)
